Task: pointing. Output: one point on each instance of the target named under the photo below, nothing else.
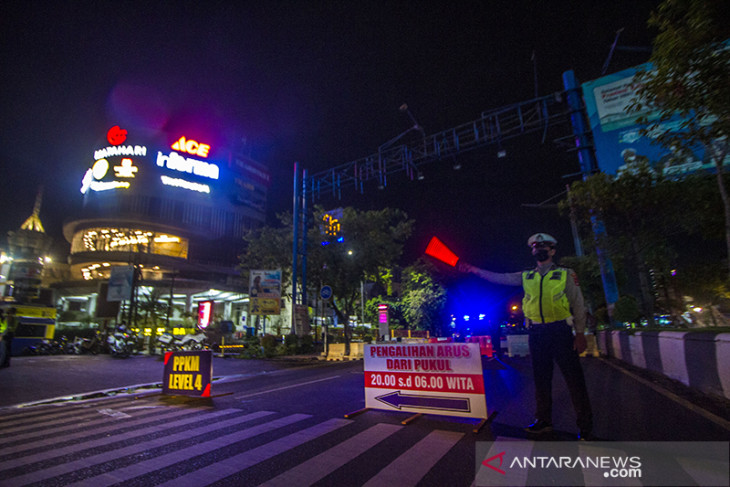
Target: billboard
(265, 292)
(617, 137)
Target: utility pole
(295, 247)
(588, 165)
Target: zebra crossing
(142, 442)
(145, 441)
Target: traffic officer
(556, 318)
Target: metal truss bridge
(491, 128)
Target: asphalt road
(282, 422)
(43, 378)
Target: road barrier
(699, 359)
(356, 350)
(485, 344)
(336, 351)
(518, 345)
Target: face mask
(541, 255)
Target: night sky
(315, 82)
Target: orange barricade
(485, 344)
(440, 340)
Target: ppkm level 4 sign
(188, 373)
(439, 378)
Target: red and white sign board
(429, 378)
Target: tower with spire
(28, 247)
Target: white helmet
(541, 237)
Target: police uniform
(550, 293)
(553, 306)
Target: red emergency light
(438, 250)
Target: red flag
(438, 250)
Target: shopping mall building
(173, 208)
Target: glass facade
(110, 239)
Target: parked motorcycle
(87, 345)
(194, 342)
(63, 346)
(47, 347)
(168, 342)
(122, 342)
(43, 347)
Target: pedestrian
(11, 323)
(555, 316)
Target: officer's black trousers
(553, 343)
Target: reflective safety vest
(545, 300)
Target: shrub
(306, 344)
(291, 344)
(252, 348)
(626, 310)
(268, 344)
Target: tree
(153, 307)
(424, 298)
(269, 248)
(688, 78)
(642, 210)
(372, 242)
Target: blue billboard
(617, 137)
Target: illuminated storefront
(129, 240)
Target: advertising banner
(617, 136)
(301, 320)
(383, 327)
(430, 378)
(265, 292)
(205, 314)
(120, 283)
(188, 373)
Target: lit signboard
(181, 183)
(205, 314)
(116, 135)
(176, 162)
(126, 169)
(331, 226)
(119, 164)
(89, 183)
(191, 147)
